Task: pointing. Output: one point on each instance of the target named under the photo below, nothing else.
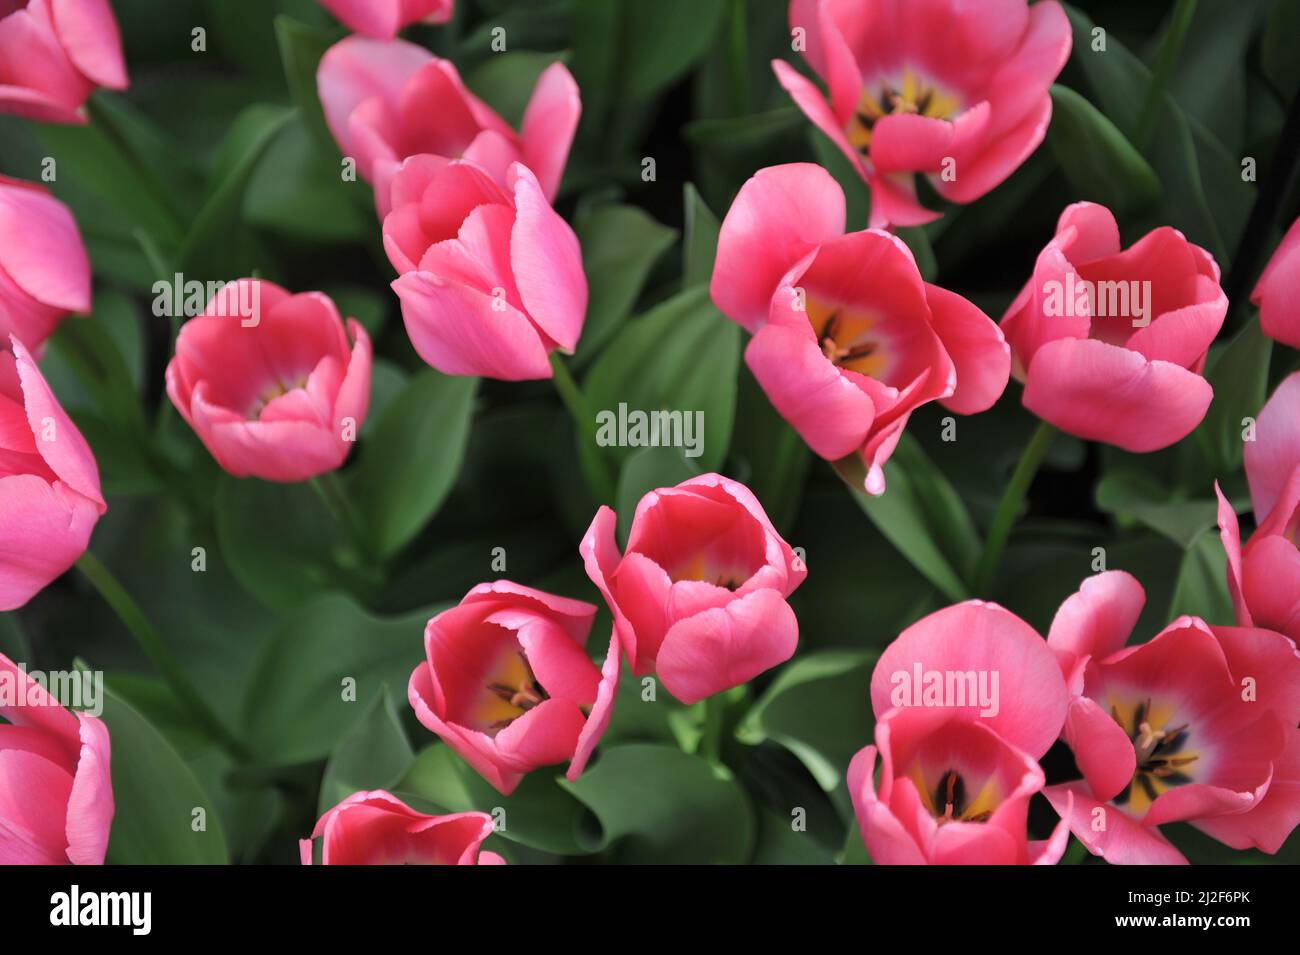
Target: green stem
(331, 491)
(1170, 49)
(576, 403)
(1013, 498)
(711, 738)
(133, 618)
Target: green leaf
(411, 460)
(539, 814)
(374, 754)
(297, 191)
(1277, 48)
(724, 149)
(819, 708)
(1238, 373)
(1202, 586)
(315, 676)
(301, 49)
(1138, 495)
(209, 253)
(656, 804)
(620, 245)
(701, 245)
(921, 515)
(280, 540)
(637, 50)
(648, 470)
(156, 795)
(1098, 161)
(682, 356)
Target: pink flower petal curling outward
(550, 122)
(831, 413)
(1101, 392)
(977, 349)
(89, 35)
(980, 638)
(1096, 621)
(781, 214)
(1278, 290)
(1230, 535)
(1274, 454)
(1109, 832)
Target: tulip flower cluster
(289, 430)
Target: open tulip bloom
(848, 339)
(951, 90)
(377, 828)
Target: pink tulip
(491, 280)
(44, 272)
(1264, 576)
(699, 595)
(955, 91)
(377, 828)
(382, 19)
(967, 700)
(849, 340)
(1110, 344)
(270, 383)
(386, 102)
(1278, 290)
(507, 684)
(1197, 725)
(49, 483)
(56, 794)
(53, 54)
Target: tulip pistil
(912, 94)
(1162, 762)
(511, 693)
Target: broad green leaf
(1141, 497)
(768, 454)
(656, 804)
(411, 459)
(1238, 373)
(1277, 48)
(301, 49)
(374, 754)
(209, 252)
(280, 540)
(316, 676)
(1202, 586)
(819, 708)
(156, 796)
(921, 515)
(1099, 162)
(297, 190)
(660, 42)
(701, 244)
(724, 149)
(682, 356)
(620, 246)
(539, 814)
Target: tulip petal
(1102, 392)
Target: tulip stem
(1013, 498)
(331, 491)
(133, 618)
(711, 734)
(576, 403)
(1170, 49)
